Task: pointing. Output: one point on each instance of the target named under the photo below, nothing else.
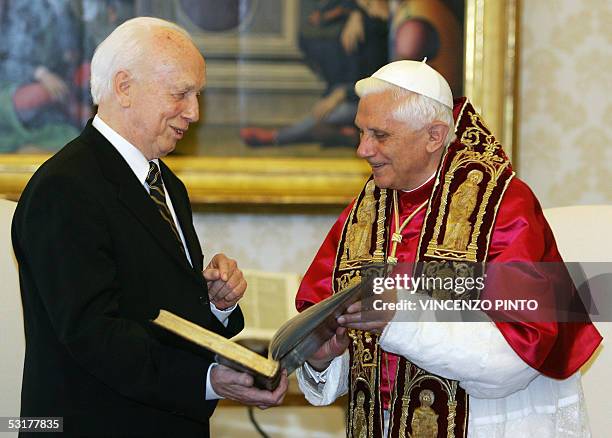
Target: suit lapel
(132, 194)
(184, 216)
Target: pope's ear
(122, 83)
(437, 133)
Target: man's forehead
(189, 85)
(377, 107)
(170, 43)
(165, 36)
(382, 97)
(178, 63)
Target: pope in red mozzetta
(442, 193)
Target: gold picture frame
(490, 81)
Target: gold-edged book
(291, 345)
(228, 352)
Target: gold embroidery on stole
(364, 372)
(355, 252)
(424, 419)
(485, 162)
(463, 201)
(359, 234)
(359, 428)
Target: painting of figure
(44, 69)
(344, 41)
(280, 74)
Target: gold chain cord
(396, 237)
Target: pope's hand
(358, 318)
(239, 386)
(335, 346)
(226, 284)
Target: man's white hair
(413, 108)
(124, 49)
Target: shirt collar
(408, 199)
(422, 185)
(130, 153)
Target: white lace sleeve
(323, 388)
(547, 408)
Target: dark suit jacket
(96, 263)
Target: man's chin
(381, 182)
(167, 149)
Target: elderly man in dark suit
(104, 238)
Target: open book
(289, 348)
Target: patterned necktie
(158, 195)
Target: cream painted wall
(267, 242)
(565, 151)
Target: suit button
(203, 300)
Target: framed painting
(276, 115)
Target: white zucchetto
(415, 76)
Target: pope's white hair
(414, 109)
(124, 49)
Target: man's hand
(334, 347)
(239, 386)
(226, 284)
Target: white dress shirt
(140, 166)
